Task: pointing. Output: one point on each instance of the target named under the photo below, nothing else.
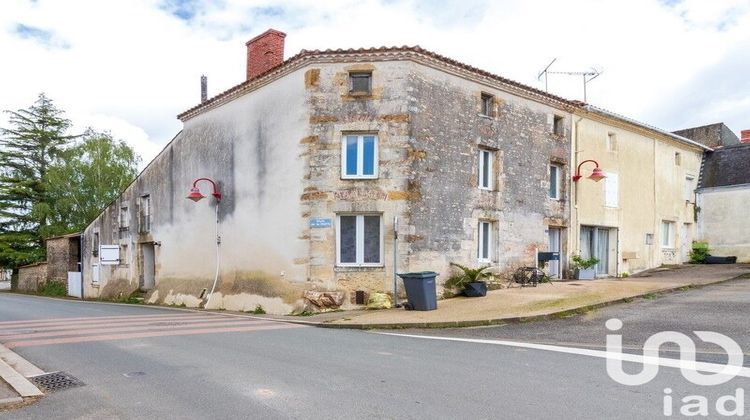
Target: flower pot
(476, 289)
(585, 273)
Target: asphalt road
(305, 372)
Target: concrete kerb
(25, 389)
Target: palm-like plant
(467, 275)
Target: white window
(555, 172)
(359, 156)
(612, 142)
(666, 234)
(484, 242)
(485, 169)
(689, 188)
(611, 190)
(360, 240)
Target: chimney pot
(745, 136)
(264, 52)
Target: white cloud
(130, 67)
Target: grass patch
(53, 288)
(650, 296)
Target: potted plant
(470, 280)
(583, 268)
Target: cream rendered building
(642, 214)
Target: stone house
(319, 159)
(642, 215)
(722, 198)
(63, 255)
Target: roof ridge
(304, 54)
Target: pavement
(721, 307)
(140, 362)
(531, 303)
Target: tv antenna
(587, 76)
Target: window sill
(358, 178)
(485, 189)
(359, 95)
(96, 285)
(486, 117)
(357, 268)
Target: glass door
(595, 243)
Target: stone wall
(448, 130)
(62, 256)
(32, 276)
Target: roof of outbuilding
(726, 166)
(404, 52)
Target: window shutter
(611, 190)
(110, 255)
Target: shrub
(53, 288)
(699, 252)
(584, 263)
(466, 276)
(259, 310)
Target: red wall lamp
(597, 174)
(195, 193)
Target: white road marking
(627, 357)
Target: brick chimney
(264, 52)
(745, 136)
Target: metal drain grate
(55, 381)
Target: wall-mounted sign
(320, 222)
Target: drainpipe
(395, 262)
(573, 199)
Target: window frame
(360, 74)
(486, 103)
(558, 121)
(144, 213)
(359, 240)
(612, 142)
(667, 234)
(481, 239)
(490, 171)
(558, 179)
(677, 159)
(360, 156)
(688, 189)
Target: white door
(148, 265)
(686, 242)
(554, 246)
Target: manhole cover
(55, 381)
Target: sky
(129, 67)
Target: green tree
(34, 141)
(89, 177)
